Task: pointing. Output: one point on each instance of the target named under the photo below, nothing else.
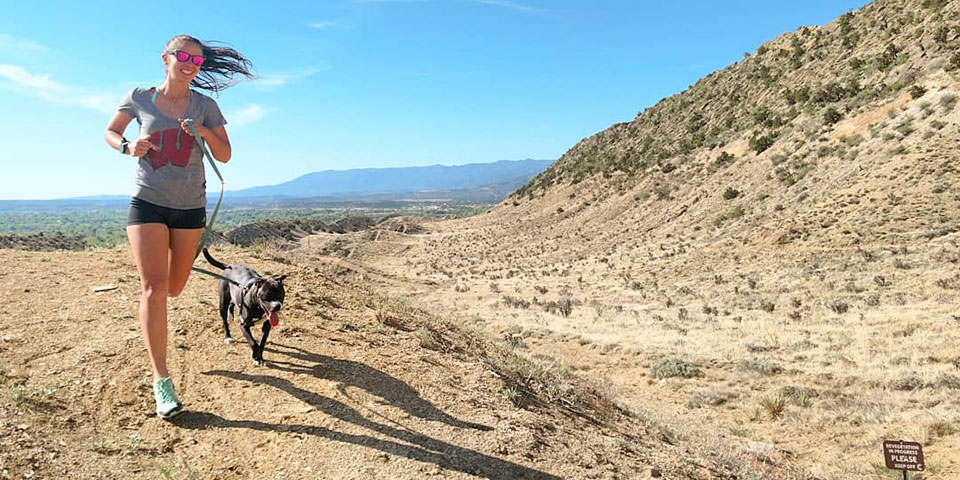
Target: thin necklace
(174, 99)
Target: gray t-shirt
(172, 177)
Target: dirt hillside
(356, 385)
(768, 263)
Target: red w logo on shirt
(174, 147)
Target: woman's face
(182, 71)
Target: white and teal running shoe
(167, 403)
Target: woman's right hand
(140, 147)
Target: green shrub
(917, 91)
(762, 142)
(831, 116)
(954, 62)
(948, 101)
(910, 381)
(674, 367)
(763, 367)
(941, 34)
(723, 159)
(731, 193)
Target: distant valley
(477, 183)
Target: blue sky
(362, 83)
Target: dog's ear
(280, 278)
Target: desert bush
(730, 193)
(917, 91)
(674, 367)
(563, 307)
(831, 116)
(723, 159)
(774, 406)
(905, 127)
(888, 58)
(954, 62)
(839, 307)
(898, 150)
(907, 382)
(428, 339)
(760, 143)
(799, 396)
(940, 36)
(705, 397)
(756, 365)
(947, 380)
(514, 302)
(947, 102)
(853, 140)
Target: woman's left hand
(201, 130)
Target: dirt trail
(342, 395)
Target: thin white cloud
(11, 44)
(246, 116)
(24, 78)
(43, 86)
(323, 25)
(281, 79)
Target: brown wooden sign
(901, 455)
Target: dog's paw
(228, 340)
(258, 362)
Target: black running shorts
(142, 212)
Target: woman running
(167, 211)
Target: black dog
(257, 297)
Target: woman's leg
(183, 247)
(150, 244)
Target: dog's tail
(213, 261)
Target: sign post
(906, 456)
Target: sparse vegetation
(831, 115)
(674, 367)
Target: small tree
(917, 91)
(831, 116)
(761, 143)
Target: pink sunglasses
(186, 57)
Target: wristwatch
(123, 146)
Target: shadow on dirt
(416, 447)
(349, 373)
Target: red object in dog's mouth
(274, 318)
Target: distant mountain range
(471, 183)
(400, 180)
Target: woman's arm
(115, 129)
(114, 135)
(216, 138)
